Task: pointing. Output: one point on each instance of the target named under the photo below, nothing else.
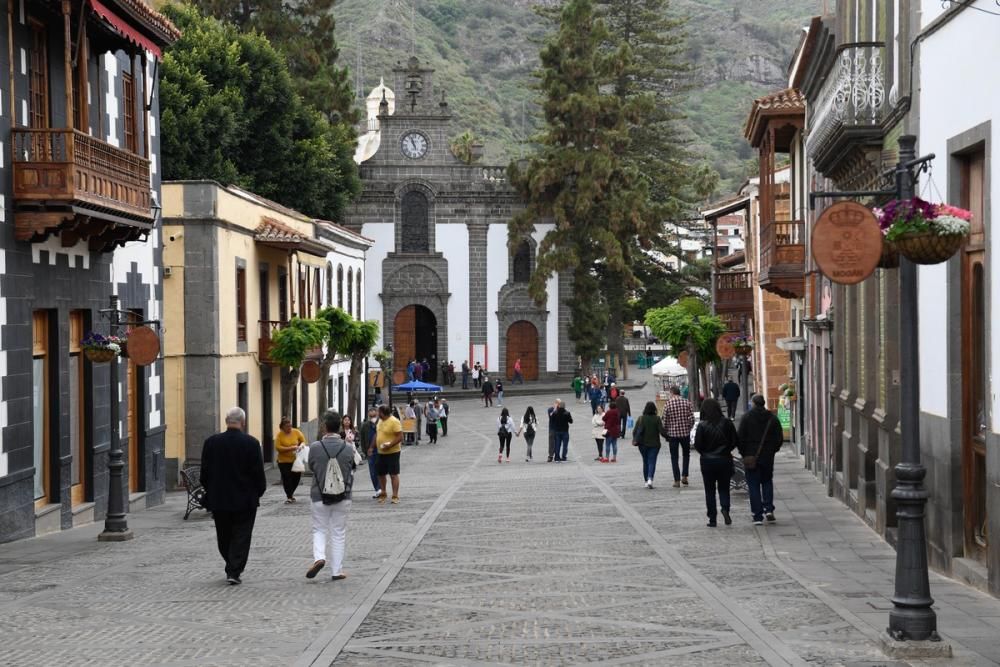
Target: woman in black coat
(715, 440)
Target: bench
(195, 491)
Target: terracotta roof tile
(787, 102)
(153, 17)
(273, 231)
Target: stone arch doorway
(522, 343)
(414, 337)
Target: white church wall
(453, 242)
(383, 233)
(496, 276)
(552, 305)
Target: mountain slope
(486, 51)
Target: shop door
(132, 419)
(975, 380)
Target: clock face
(414, 145)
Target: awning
(726, 209)
(275, 234)
(123, 28)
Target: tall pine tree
(578, 179)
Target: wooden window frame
(40, 349)
(241, 304)
(38, 75)
(77, 324)
(130, 129)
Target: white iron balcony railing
(852, 102)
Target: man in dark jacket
(487, 392)
(624, 409)
(760, 435)
(560, 421)
(232, 472)
(731, 394)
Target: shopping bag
(629, 423)
(301, 460)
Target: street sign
(847, 242)
(310, 371)
(682, 358)
(784, 417)
(725, 348)
(143, 345)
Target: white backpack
(335, 487)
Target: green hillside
(485, 52)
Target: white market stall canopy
(668, 367)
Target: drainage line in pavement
(327, 646)
(766, 643)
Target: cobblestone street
(485, 564)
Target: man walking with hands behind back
(232, 472)
(677, 422)
(760, 437)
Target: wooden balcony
(266, 333)
(70, 183)
(733, 292)
(782, 259)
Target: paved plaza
(485, 563)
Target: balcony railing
(782, 258)
(733, 292)
(851, 104)
(267, 329)
(64, 165)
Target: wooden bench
(195, 491)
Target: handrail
(778, 235)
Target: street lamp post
(912, 617)
(115, 522)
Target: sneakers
(314, 570)
(677, 484)
(338, 577)
(527, 460)
(757, 522)
(649, 484)
(614, 459)
(598, 458)
(684, 481)
(233, 580)
(603, 460)
(770, 517)
(376, 495)
(711, 523)
(395, 500)
(508, 459)
(381, 498)
(727, 518)
(499, 459)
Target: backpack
(335, 486)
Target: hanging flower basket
(922, 232)
(929, 248)
(890, 255)
(101, 349)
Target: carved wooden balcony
(264, 343)
(70, 183)
(733, 292)
(782, 258)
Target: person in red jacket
(613, 426)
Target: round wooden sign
(847, 243)
(682, 358)
(310, 371)
(725, 348)
(143, 345)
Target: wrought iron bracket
(910, 169)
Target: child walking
(505, 430)
(529, 424)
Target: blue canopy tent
(416, 385)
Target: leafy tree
(464, 147)
(346, 337)
(688, 325)
(304, 32)
(578, 179)
(229, 112)
(289, 346)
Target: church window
(522, 262)
(415, 231)
(357, 308)
(340, 286)
(350, 290)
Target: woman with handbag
(505, 431)
(597, 430)
(715, 440)
(646, 436)
(529, 426)
(288, 442)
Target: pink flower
(960, 213)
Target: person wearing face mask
(366, 443)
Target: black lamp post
(389, 373)
(115, 522)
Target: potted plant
(923, 232)
(101, 349)
(742, 344)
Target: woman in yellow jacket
(287, 442)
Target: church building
(442, 279)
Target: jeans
(330, 529)
(432, 431)
(373, 470)
(623, 428)
(552, 444)
(233, 531)
(760, 488)
(465, 380)
(716, 473)
(561, 445)
(518, 377)
(611, 447)
(505, 442)
(500, 398)
(600, 447)
(289, 480)
(649, 455)
(528, 441)
(593, 405)
(487, 400)
(685, 444)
